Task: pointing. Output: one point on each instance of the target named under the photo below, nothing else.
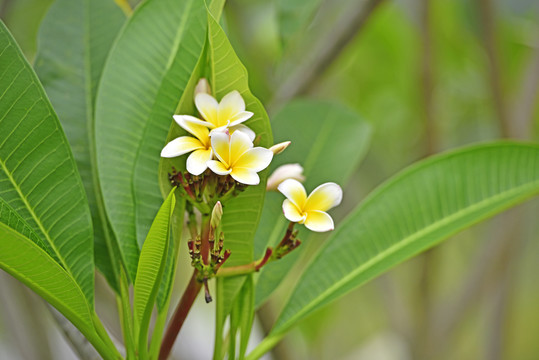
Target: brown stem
(287, 235)
(185, 304)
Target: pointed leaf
(411, 212)
(150, 269)
(73, 42)
(241, 214)
(38, 175)
(329, 141)
(141, 85)
(27, 262)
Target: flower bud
(283, 172)
(216, 215)
(279, 148)
(203, 87)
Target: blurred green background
(428, 75)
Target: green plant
(97, 201)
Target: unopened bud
(279, 148)
(203, 87)
(216, 215)
(283, 172)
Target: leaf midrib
(15, 184)
(407, 241)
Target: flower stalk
(179, 316)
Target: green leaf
(415, 210)
(330, 141)
(241, 214)
(142, 82)
(74, 40)
(38, 175)
(30, 264)
(150, 270)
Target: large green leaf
(142, 82)
(241, 214)
(150, 270)
(330, 141)
(74, 40)
(38, 175)
(411, 212)
(24, 260)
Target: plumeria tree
(151, 144)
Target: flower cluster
(219, 140)
(222, 162)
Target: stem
(266, 345)
(288, 233)
(105, 338)
(180, 314)
(487, 13)
(205, 239)
(247, 268)
(126, 320)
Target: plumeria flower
(228, 114)
(200, 145)
(237, 157)
(283, 172)
(310, 210)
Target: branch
(490, 41)
(180, 314)
(326, 51)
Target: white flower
(310, 210)
(200, 145)
(228, 114)
(283, 172)
(238, 158)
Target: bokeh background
(428, 75)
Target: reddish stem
(185, 304)
(264, 260)
(287, 235)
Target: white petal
(324, 197)
(240, 117)
(319, 221)
(230, 105)
(218, 167)
(291, 211)
(283, 172)
(239, 144)
(180, 146)
(294, 192)
(194, 126)
(220, 143)
(207, 107)
(232, 101)
(181, 119)
(256, 159)
(245, 176)
(244, 129)
(196, 162)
